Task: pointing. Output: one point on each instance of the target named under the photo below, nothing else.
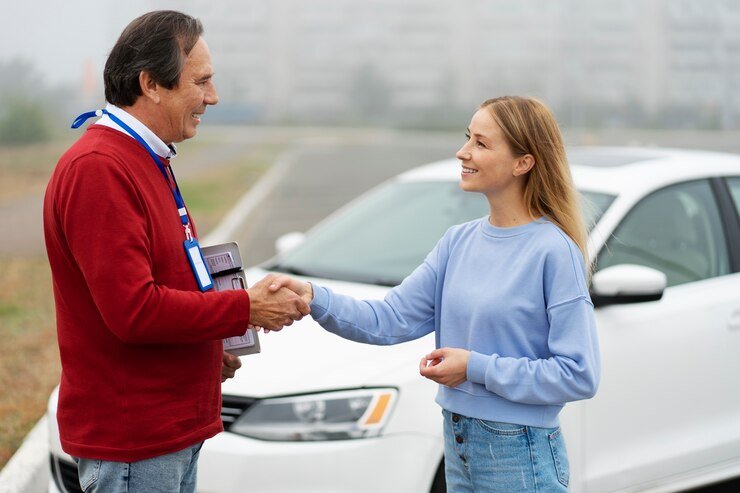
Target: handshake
(277, 301)
(274, 302)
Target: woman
(508, 298)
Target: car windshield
(384, 236)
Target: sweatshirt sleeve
(406, 312)
(571, 372)
(105, 227)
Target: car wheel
(439, 485)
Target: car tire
(439, 484)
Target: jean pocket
(499, 428)
(89, 471)
(559, 456)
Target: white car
(316, 413)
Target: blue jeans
(488, 456)
(169, 473)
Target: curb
(27, 470)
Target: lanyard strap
(176, 192)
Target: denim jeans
(488, 456)
(169, 473)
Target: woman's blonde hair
(530, 128)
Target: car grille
(232, 407)
(65, 475)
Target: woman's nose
(463, 153)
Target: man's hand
(274, 309)
(229, 365)
(302, 289)
(446, 366)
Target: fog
(611, 63)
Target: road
(323, 174)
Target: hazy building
(611, 62)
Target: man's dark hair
(157, 43)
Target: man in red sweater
(139, 335)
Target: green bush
(22, 121)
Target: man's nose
(211, 97)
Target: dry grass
(29, 356)
(25, 169)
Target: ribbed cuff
(477, 365)
(320, 302)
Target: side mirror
(627, 283)
(288, 241)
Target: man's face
(185, 104)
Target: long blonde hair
(530, 128)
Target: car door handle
(734, 323)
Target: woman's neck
(508, 212)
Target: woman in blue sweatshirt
(508, 300)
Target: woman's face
(488, 164)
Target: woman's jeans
(488, 456)
(171, 473)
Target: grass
(25, 169)
(29, 356)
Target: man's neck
(145, 115)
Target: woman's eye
(467, 136)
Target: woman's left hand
(446, 366)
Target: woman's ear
(149, 88)
(524, 165)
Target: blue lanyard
(175, 193)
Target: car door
(669, 398)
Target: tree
(23, 118)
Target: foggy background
(410, 63)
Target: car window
(734, 184)
(383, 237)
(676, 230)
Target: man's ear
(149, 88)
(524, 165)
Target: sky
(62, 38)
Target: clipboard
(224, 263)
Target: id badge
(192, 248)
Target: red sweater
(140, 345)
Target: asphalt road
(324, 174)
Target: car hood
(305, 358)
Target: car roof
(616, 170)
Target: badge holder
(197, 262)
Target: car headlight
(341, 415)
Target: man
(139, 332)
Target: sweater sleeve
(406, 313)
(105, 226)
(571, 372)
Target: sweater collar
(490, 230)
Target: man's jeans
(169, 473)
(488, 456)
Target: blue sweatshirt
(515, 297)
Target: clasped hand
(446, 366)
(276, 301)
